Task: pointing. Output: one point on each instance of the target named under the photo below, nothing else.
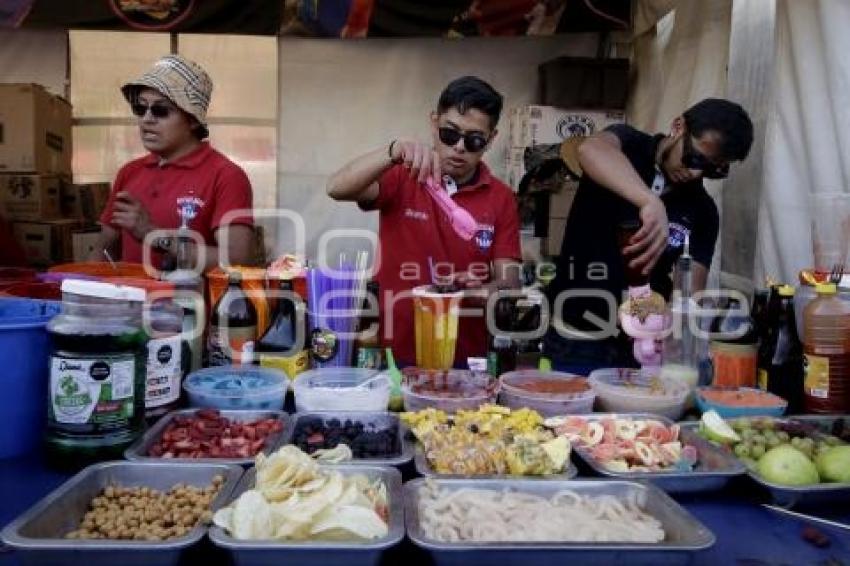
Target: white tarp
(807, 149)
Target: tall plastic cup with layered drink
(435, 318)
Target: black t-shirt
(590, 256)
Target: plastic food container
(447, 390)
(776, 408)
(237, 387)
(625, 390)
(341, 389)
(550, 393)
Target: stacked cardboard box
(35, 172)
(535, 125)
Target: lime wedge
(716, 429)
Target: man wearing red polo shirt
(414, 230)
(181, 176)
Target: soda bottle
(781, 354)
(826, 349)
(280, 347)
(233, 326)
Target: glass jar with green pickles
(96, 393)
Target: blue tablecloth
(747, 533)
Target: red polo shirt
(211, 180)
(412, 227)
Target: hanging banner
(13, 12)
(257, 17)
(451, 18)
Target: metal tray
(381, 419)
(789, 496)
(326, 553)
(36, 534)
(139, 449)
(423, 468)
(684, 533)
(714, 469)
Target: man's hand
(650, 241)
(130, 215)
(420, 159)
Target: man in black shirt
(631, 176)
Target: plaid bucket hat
(185, 83)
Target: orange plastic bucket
(103, 269)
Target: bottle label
(291, 365)
(324, 344)
(369, 357)
(235, 346)
(763, 378)
(92, 391)
(164, 371)
(817, 376)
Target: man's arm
(358, 180)
(106, 242)
(602, 159)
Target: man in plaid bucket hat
(182, 175)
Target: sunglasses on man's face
(157, 110)
(693, 159)
(474, 142)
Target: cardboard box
(31, 197)
(45, 243)
(83, 243)
(35, 131)
(84, 201)
(534, 125)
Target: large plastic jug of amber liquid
(826, 349)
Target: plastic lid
(786, 291)
(103, 290)
(825, 289)
(161, 288)
(237, 381)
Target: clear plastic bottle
(826, 348)
(96, 392)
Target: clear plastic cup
(435, 318)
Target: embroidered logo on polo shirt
(677, 236)
(188, 207)
(484, 236)
(415, 214)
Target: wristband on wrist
(393, 160)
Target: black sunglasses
(473, 142)
(693, 159)
(157, 110)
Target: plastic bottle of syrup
(826, 348)
(781, 354)
(233, 326)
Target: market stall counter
(746, 532)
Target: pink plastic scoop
(461, 221)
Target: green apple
(834, 464)
(785, 465)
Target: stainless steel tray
(37, 534)
(423, 468)
(139, 449)
(326, 553)
(684, 533)
(381, 419)
(714, 469)
(788, 496)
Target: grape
(757, 451)
(832, 441)
(748, 434)
(783, 436)
(758, 439)
(742, 451)
(772, 440)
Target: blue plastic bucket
(24, 350)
